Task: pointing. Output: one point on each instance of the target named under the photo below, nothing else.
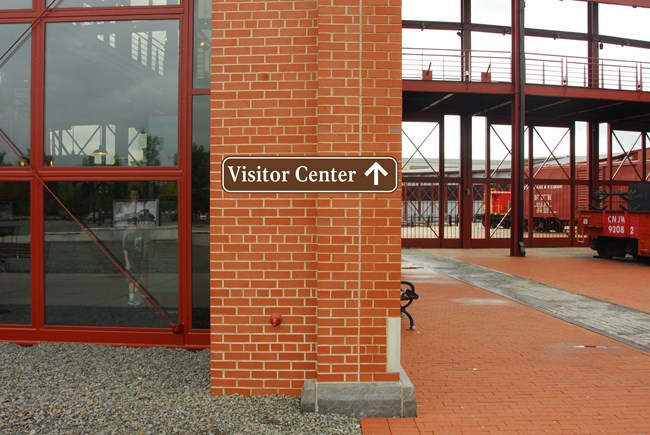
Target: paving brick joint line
(614, 321)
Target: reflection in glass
(111, 258)
(15, 4)
(202, 42)
(15, 290)
(200, 207)
(15, 71)
(111, 93)
(111, 3)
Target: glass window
(202, 42)
(431, 10)
(496, 12)
(624, 21)
(200, 207)
(500, 151)
(111, 3)
(15, 4)
(15, 291)
(430, 39)
(567, 16)
(111, 253)
(492, 42)
(15, 85)
(479, 146)
(111, 93)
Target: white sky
(568, 15)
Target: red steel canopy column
(518, 123)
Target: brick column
(304, 78)
(359, 113)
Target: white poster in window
(135, 213)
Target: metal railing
(455, 65)
(544, 69)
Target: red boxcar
(617, 233)
(551, 207)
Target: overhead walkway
(559, 89)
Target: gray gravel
(86, 389)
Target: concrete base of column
(360, 399)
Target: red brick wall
(303, 78)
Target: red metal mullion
(36, 162)
(37, 255)
(644, 155)
(116, 336)
(88, 14)
(464, 196)
(442, 189)
(608, 172)
(466, 40)
(433, 193)
(86, 173)
(116, 12)
(518, 126)
(488, 178)
(198, 338)
(572, 184)
(529, 181)
(419, 209)
(442, 209)
(185, 165)
(17, 17)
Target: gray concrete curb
(360, 399)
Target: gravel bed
(87, 389)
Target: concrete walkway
(621, 323)
(556, 342)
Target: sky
(568, 15)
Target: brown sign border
(307, 159)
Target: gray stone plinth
(360, 399)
